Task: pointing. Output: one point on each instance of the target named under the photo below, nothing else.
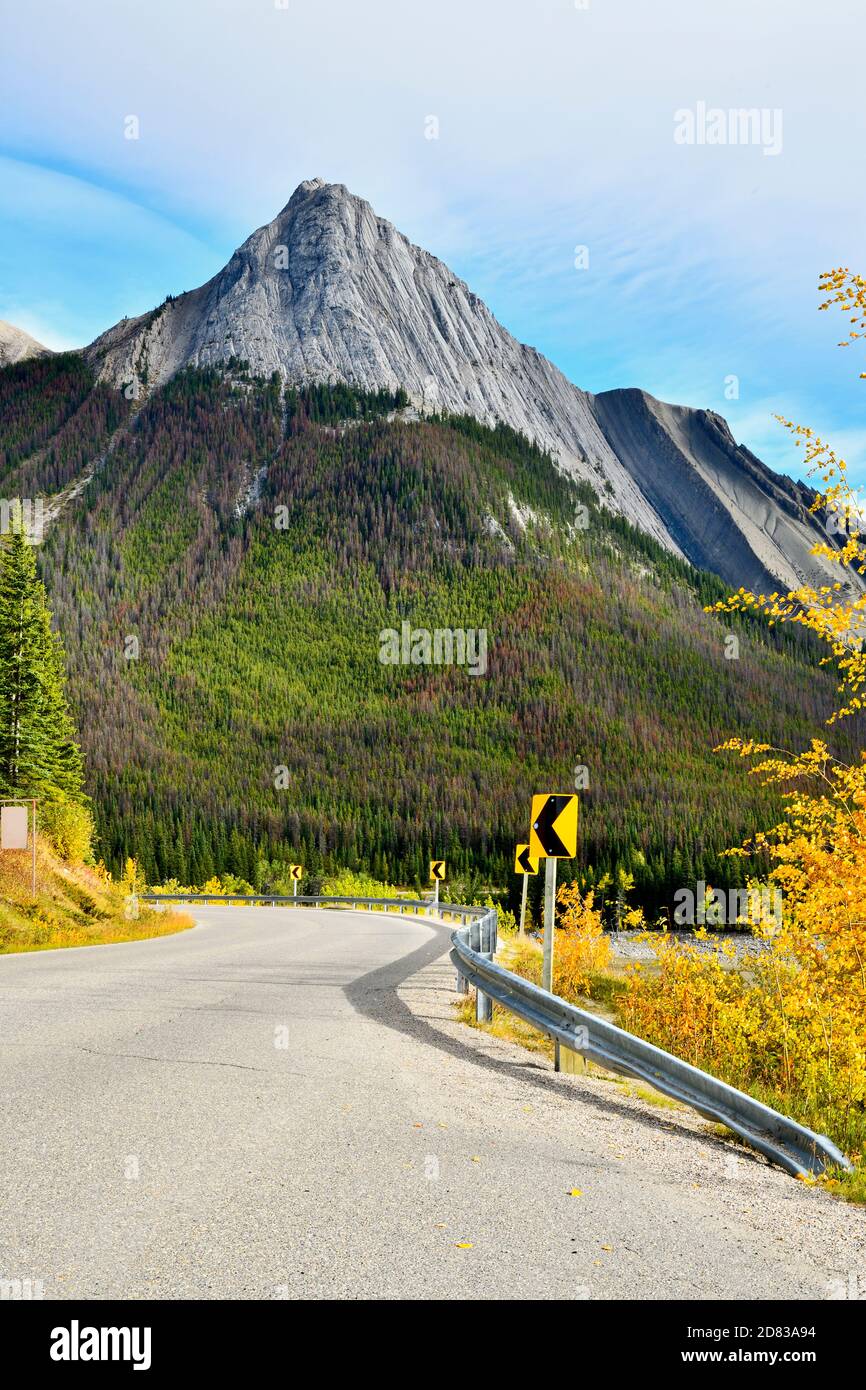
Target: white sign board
(13, 827)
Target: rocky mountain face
(328, 291)
(16, 345)
(726, 510)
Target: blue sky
(556, 125)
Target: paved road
(280, 1103)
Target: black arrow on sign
(525, 861)
(543, 827)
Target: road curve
(280, 1103)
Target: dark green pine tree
(38, 751)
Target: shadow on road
(375, 996)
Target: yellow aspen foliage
(582, 949)
(788, 1022)
(133, 879)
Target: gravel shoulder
(699, 1215)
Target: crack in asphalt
(182, 1061)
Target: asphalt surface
(281, 1103)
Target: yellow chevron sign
(296, 871)
(553, 826)
(524, 863)
(437, 870)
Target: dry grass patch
(75, 905)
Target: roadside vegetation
(273, 880)
(77, 903)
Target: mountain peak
(329, 291)
(307, 187)
(16, 345)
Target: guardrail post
(479, 936)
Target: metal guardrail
(416, 905)
(792, 1146)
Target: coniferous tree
(38, 752)
(261, 617)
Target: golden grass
(851, 1187)
(75, 905)
(505, 1025)
(641, 1091)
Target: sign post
(296, 871)
(525, 865)
(549, 914)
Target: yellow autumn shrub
(694, 1005)
(581, 948)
